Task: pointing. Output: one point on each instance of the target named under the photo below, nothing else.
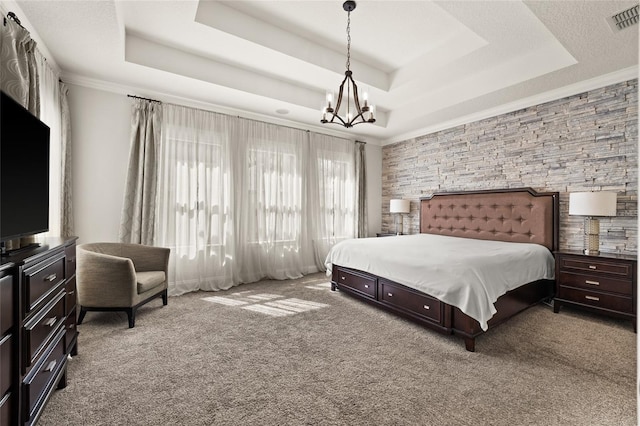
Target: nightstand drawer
(622, 270)
(596, 299)
(361, 283)
(595, 282)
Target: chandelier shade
(348, 99)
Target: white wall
(100, 148)
(100, 131)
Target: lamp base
(591, 236)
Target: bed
(484, 221)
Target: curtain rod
(146, 99)
(243, 118)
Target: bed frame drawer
(361, 283)
(410, 300)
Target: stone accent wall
(580, 143)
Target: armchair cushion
(148, 280)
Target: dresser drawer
(6, 304)
(70, 327)
(6, 402)
(409, 300)
(39, 330)
(6, 364)
(39, 381)
(41, 279)
(361, 283)
(70, 288)
(70, 256)
(596, 282)
(596, 266)
(596, 299)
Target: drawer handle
(366, 286)
(592, 298)
(593, 267)
(51, 366)
(71, 292)
(342, 278)
(592, 282)
(50, 322)
(427, 307)
(390, 294)
(50, 277)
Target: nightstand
(386, 234)
(605, 283)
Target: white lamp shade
(600, 203)
(399, 206)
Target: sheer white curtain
(240, 200)
(194, 199)
(270, 164)
(332, 193)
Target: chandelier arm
(339, 100)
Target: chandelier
(348, 93)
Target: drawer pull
(427, 307)
(51, 366)
(51, 277)
(342, 278)
(366, 286)
(592, 298)
(593, 267)
(592, 282)
(71, 293)
(390, 294)
(50, 322)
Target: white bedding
(463, 272)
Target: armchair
(120, 277)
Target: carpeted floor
(295, 353)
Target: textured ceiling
(426, 65)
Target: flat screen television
(24, 172)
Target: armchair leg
(83, 312)
(131, 314)
(164, 298)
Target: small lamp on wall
(399, 207)
(592, 205)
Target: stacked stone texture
(580, 143)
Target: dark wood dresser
(605, 283)
(38, 300)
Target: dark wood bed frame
(515, 215)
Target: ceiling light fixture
(355, 113)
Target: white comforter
(467, 273)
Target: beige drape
(18, 73)
(66, 216)
(138, 211)
(361, 191)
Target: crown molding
(552, 95)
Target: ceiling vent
(624, 19)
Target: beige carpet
(295, 353)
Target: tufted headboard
(515, 215)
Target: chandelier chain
(348, 39)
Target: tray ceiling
(427, 65)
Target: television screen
(24, 172)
